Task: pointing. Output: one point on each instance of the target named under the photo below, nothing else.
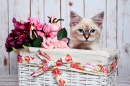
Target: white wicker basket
(72, 77)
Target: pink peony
(61, 44)
(49, 43)
(56, 27)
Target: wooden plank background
(115, 32)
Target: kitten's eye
(92, 31)
(81, 30)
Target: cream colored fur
(78, 40)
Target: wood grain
(92, 8)
(52, 7)
(20, 9)
(37, 9)
(4, 58)
(66, 7)
(111, 27)
(123, 35)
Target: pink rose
(58, 62)
(34, 20)
(45, 67)
(61, 82)
(61, 44)
(19, 59)
(40, 33)
(26, 58)
(49, 43)
(104, 68)
(52, 17)
(68, 58)
(56, 71)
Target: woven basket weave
(72, 77)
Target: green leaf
(62, 34)
(59, 20)
(34, 34)
(37, 41)
(54, 20)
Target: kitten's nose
(86, 36)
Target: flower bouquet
(69, 66)
(36, 34)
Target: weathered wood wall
(115, 33)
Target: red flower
(68, 58)
(61, 82)
(45, 67)
(44, 60)
(112, 66)
(32, 58)
(26, 58)
(19, 59)
(75, 65)
(104, 68)
(58, 62)
(56, 71)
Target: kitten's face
(85, 29)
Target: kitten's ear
(98, 19)
(74, 18)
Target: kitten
(85, 32)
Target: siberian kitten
(85, 32)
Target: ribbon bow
(48, 63)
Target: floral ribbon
(48, 63)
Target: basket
(73, 77)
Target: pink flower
(68, 58)
(44, 60)
(58, 62)
(49, 43)
(45, 67)
(40, 33)
(61, 44)
(75, 65)
(32, 58)
(52, 17)
(56, 27)
(112, 66)
(56, 71)
(65, 40)
(34, 20)
(104, 68)
(19, 59)
(61, 82)
(48, 28)
(39, 26)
